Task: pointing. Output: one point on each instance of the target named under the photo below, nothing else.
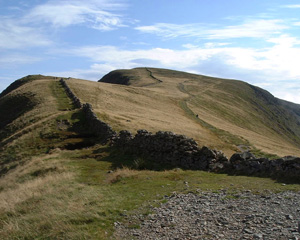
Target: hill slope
(56, 182)
(225, 114)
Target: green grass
(63, 102)
(88, 203)
(227, 137)
(135, 188)
(260, 154)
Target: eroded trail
(232, 141)
(30, 128)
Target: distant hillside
(228, 115)
(238, 113)
(138, 77)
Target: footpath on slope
(29, 128)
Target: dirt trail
(222, 135)
(29, 128)
(187, 109)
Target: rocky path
(221, 215)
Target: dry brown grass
(121, 173)
(135, 108)
(37, 203)
(45, 105)
(157, 107)
(29, 180)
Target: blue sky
(257, 41)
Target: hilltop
(57, 180)
(224, 114)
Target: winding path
(220, 133)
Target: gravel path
(221, 215)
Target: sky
(257, 41)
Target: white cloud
(95, 72)
(257, 28)
(213, 44)
(14, 59)
(95, 13)
(278, 63)
(13, 34)
(167, 57)
(291, 6)
(292, 96)
(253, 29)
(189, 46)
(28, 30)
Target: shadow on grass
(120, 159)
(11, 108)
(277, 177)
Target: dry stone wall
(70, 94)
(180, 151)
(171, 149)
(247, 164)
(94, 125)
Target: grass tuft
(120, 174)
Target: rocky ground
(220, 215)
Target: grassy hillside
(57, 183)
(228, 115)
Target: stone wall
(180, 151)
(247, 164)
(96, 126)
(70, 94)
(170, 149)
(93, 124)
